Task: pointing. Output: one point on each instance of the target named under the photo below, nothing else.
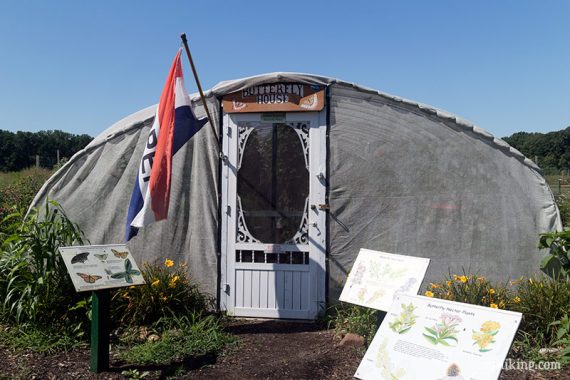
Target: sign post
(100, 303)
(98, 268)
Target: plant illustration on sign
(128, 273)
(405, 320)
(453, 373)
(444, 330)
(486, 335)
(374, 297)
(406, 287)
(388, 371)
(383, 272)
(358, 275)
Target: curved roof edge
(135, 120)
(226, 87)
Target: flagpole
(210, 119)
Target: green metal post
(100, 301)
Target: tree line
(551, 150)
(18, 150)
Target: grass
(11, 178)
(39, 339)
(186, 338)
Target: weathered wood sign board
(443, 340)
(276, 97)
(95, 267)
(377, 276)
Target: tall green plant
(557, 262)
(34, 284)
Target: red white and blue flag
(174, 124)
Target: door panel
(273, 231)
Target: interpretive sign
(94, 267)
(272, 97)
(426, 338)
(377, 276)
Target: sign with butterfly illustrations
(94, 267)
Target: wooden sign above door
(283, 97)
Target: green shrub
(563, 338)
(557, 261)
(168, 292)
(347, 318)
(16, 196)
(184, 338)
(542, 302)
(34, 284)
(472, 289)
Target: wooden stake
(210, 119)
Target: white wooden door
(273, 215)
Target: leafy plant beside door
(557, 262)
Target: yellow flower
(517, 299)
(502, 304)
(482, 339)
(429, 294)
(168, 263)
(491, 291)
(463, 279)
(434, 286)
(164, 298)
(448, 283)
(456, 277)
(155, 282)
(490, 326)
(173, 281)
(494, 306)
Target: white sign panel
(377, 276)
(94, 267)
(426, 338)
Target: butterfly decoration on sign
(119, 254)
(80, 258)
(101, 256)
(128, 273)
(89, 278)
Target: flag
(174, 124)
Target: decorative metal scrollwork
(243, 134)
(302, 130)
(243, 235)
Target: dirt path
(265, 350)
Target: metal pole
(100, 303)
(210, 119)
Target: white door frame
(316, 216)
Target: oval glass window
(272, 181)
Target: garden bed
(265, 349)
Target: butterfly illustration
(128, 273)
(89, 278)
(80, 258)
(119, 254)
(101, 256)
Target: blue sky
(80, 66)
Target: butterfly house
(270, 207)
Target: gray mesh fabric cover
(403, 178)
